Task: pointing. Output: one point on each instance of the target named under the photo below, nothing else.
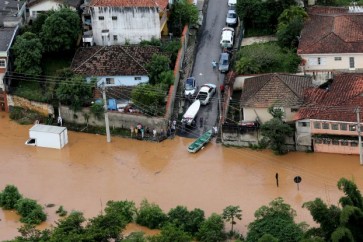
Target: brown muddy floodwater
(88, 172)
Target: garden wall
(116, 119)
(42, 108)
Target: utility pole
(106, 113)
(357, 111)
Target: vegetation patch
(25, 116)
(31, 90)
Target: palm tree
(230, 213)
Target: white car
(190, 87)
(227, 37)
(232, 2)
(205, 93)
(232, 17)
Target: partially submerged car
(205, 93)
(190, 87)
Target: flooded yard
(88, 172)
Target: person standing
(277, 179)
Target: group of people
(140, 132)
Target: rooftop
(6, 37)
(73, 3)
(336, 101)
(113, 60)
(332, 30)
(284, 90)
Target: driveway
(208, 49)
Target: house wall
(251, 114)
(326, 127)
(121, 80)
(336, 149)
(44, 6)
(132, 25)
(328, 62)
(303, 135)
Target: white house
(37, 7)
(331, 42)
(114, 65)
(48, 136)
(117, 22)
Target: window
(334, 126)
(326, 126)
(115, 37)
(337, 58)
(351, 62)
(114, 17)
(344, 143)
(352, 127)
(353, 143)
(304, 124)
(318, 141)
(326, 141)
(335, 142)
(2, 63)
(319, 61)
(317, 125)
(343, 126)
(137, 78)
(294, 110)
(101, 18)
(110, 81)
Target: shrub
(150, 215)
(126, 209)
(97, 110)
(61, 211)
(31, 212)
(9, 197)
(171, 233)
(24, 116)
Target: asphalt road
(208, 49)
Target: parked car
(223, 62)
(190, 86)
(232, 2)
(232, 18)
(227, 37)
(205, 93)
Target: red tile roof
(162, 4)
(274, 89)
(113, 60)
(335, 103)
(332, 30)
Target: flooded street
(88, 172)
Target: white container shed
(47, 136)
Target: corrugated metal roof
(47, 128)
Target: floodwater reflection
(88, 172)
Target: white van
(227, 37)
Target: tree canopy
(28, 54)
(61, 30)
(183, 12)
(212, 229)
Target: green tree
(9, 197)
(212, 229)
(231, 213)
(267, 238)
(291, 22)
(157, 65)
(106, 227)
(124, 209)
(277, 219)
(171, 233)
(183, 12)
(30, 211)
(150, 215)
(61, 30)
(28, 54)
(136, 237)
(149, 99)
(37, 24)
(69, 228)
(75, 92)
(187, 221)
(29, 232)
(166, 78)
(276, 131)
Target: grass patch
(51, 63)
(251, 32)
(31, 91)
(25, 116)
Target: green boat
(200, 142)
